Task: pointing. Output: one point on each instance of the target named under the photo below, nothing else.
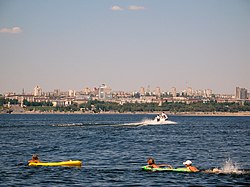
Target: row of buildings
(105, 93)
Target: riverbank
(247, 113)
(213, 113)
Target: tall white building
(208, 92)
(72, 93)
(105, 92)
(189, 91)
(37, 91)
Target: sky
(126, 44)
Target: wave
(67, 125)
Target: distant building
(142, 91)
(237, 94)
(72, 93)
(208, 92)
(95, 92)
(189, 91)
(86, 91)
(158, 91)
(241, 93)
(9, 94)
(37, 91)
(56, 93)
(61, 103)
(173, 92)
(148, 90)
(105, 92)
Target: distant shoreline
(247, 113)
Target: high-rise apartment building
(105, 92)
(142, 91)
(72, 93)
(189, 91)
(37, 91)
(208, 93)
(173, 91)
(158, 91)
(241, 93)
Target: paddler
(34, 159)
(189, 166)
(151, 163)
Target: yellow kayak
(64, 163)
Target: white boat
(161, 118)
(158, 120)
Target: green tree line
(99, 106)
(172, 107)
(27, 103)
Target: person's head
(187, 163)
(151, 161)
(35, 157)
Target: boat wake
(153, 122)
(67, 125)
(147, 122)
(144, 122)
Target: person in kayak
(34, 159)
(188, 165)
(151, 163)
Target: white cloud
(134, 7)
(13, 30)
(116, 8)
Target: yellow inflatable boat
(64, 163)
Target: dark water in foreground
(113, 149)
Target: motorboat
(161, 118)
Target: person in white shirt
(164, 116)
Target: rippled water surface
(113, 149)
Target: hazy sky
(62, 44)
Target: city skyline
(189, 91)
(147, 88)
(125, 44)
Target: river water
(113, 148)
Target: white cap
(188, 162)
